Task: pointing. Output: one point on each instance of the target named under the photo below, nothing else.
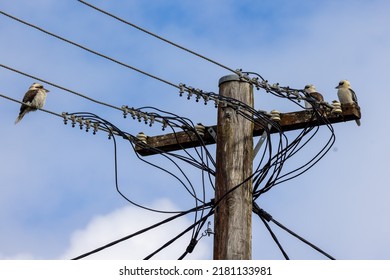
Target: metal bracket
(212, 132)
(260, 142)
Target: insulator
(142, 137)
(200, 129)
(336, 107)
(275, 115)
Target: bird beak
(337, 86)
(47, 90)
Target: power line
(266, 216)
(90, 50)
(29, 105)
(136, 233)
(159, 37)
(59, 87)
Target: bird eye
(341, 83)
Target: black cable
(136, 233)
(59, 87)
(157, 36)
(264, 215)
(192, 243)
(89, 50)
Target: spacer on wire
(206, 99)
(95, 128)
(275, 115)
(65, 116)
(142, 137)
(165, 124)
(133, 113)
(181, 89)
(336, 107)
(73, 119)
(199, 94)
(200, 129)
(190, 91)
(276, 86)
(125, 111)
(87, 125)
(80, 121)
(151, 121)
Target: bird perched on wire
(312, 93)
(35, 97)
(346, 94)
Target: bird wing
(317, 96)
(354, 97)
(29, 96)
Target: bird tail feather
(358, 122)
(20, 117)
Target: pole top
(229, 78)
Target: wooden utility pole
(234, 141)
(233, 215)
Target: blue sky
(58, 196)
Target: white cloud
(121, 222)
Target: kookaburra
(312, 93)
(346, 94)
(35, 97)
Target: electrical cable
(59, 87)
(29, 105)
(90, 50)
(158, 37)
(136, 233)
(266, 216)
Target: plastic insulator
(142, 137)
(200, 129)
(275, 115)
(336, 107)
